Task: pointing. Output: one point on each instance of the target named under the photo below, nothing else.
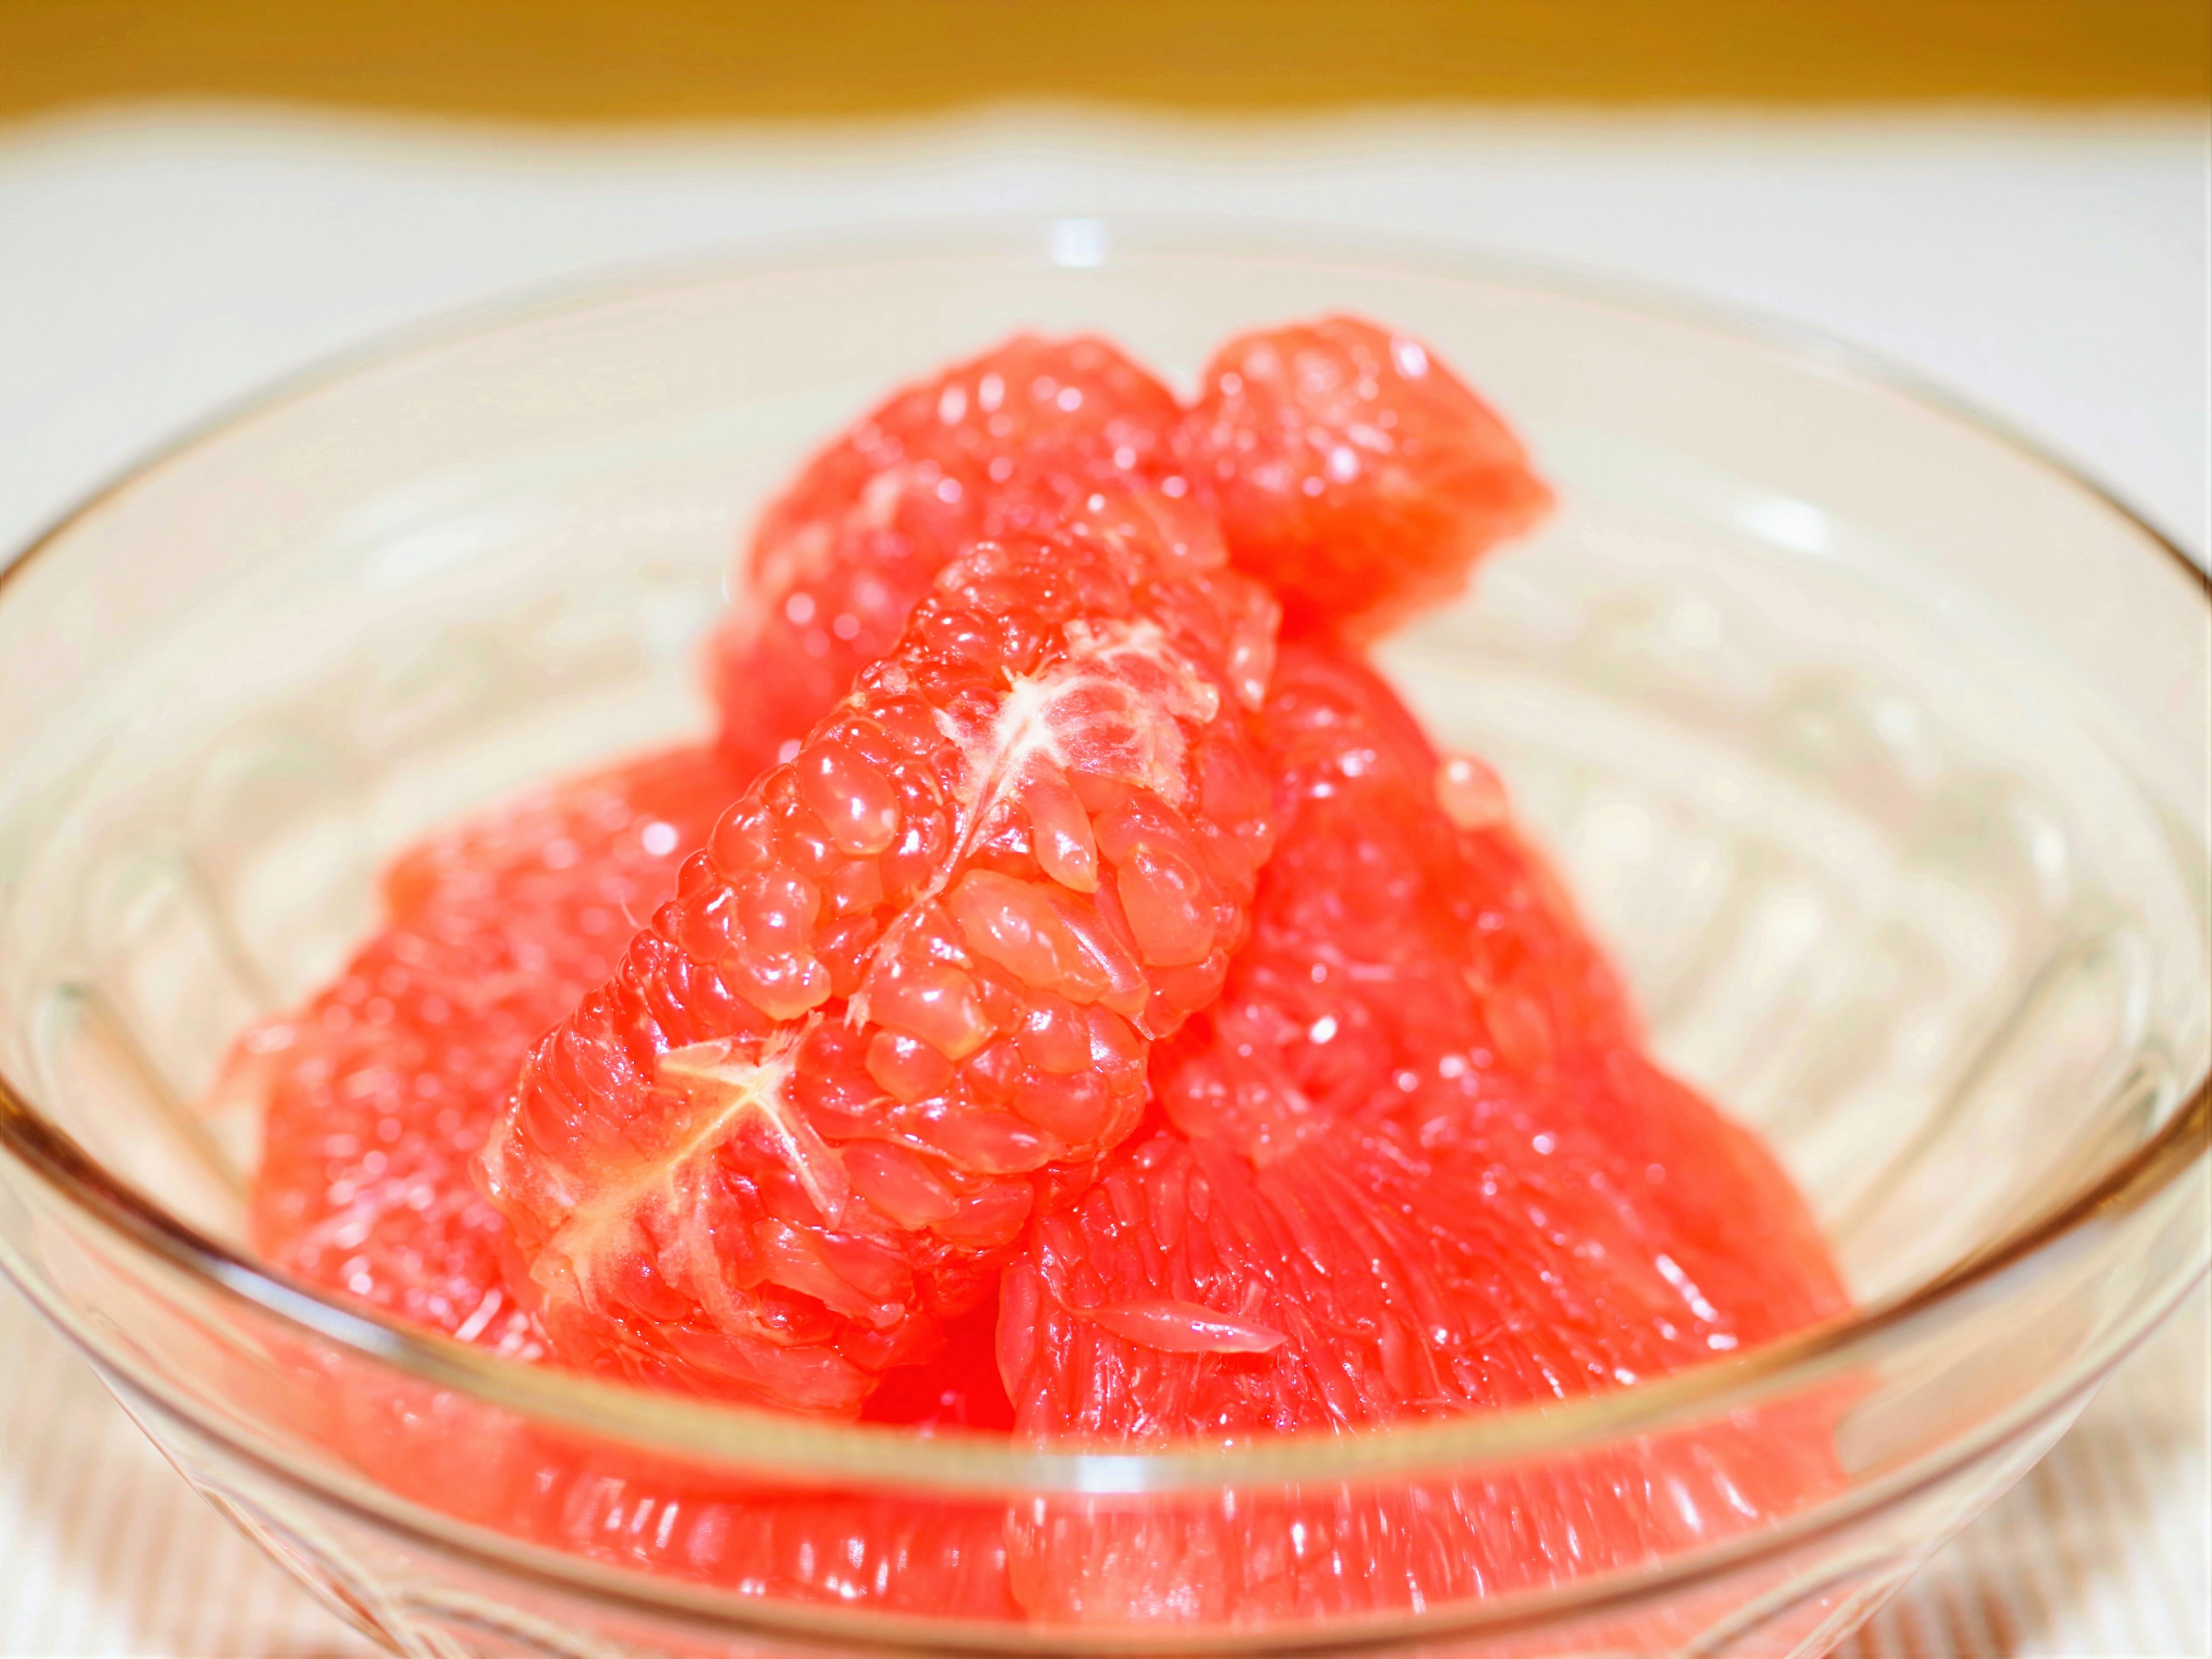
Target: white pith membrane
(1122, 686)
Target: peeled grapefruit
(375, 1094)
(837, 561)
(908, 990)
(1353, 472)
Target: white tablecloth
(155, 266)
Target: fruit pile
(1070, 998)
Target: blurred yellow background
(653, 60)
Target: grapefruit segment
(1238, 1559)
(1387, 940)
(375, 1093)
(1353, 472)
(838, 561)
(1476, 1248)
(1415, 1164)
(1479, 1246)
(756, 1538)
(495, 928)
(870, 953)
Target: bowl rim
(955, 1464)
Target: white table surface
(156, 265)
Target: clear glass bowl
(1874, 741)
